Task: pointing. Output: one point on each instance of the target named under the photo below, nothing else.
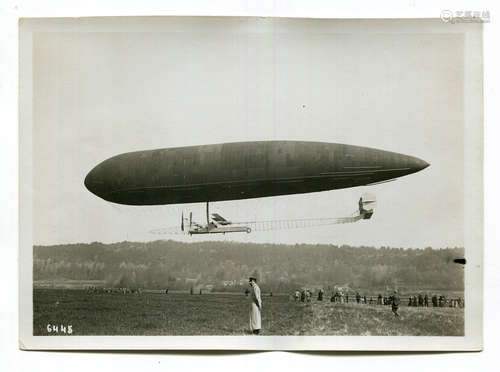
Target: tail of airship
(367, 203)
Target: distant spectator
(420, 300)
(395, 303)
(442, 301)
(320, 295)
(337, 296)
(358, 297)
(426, 300)
(461, 302)
(434, 301)
(379, 299)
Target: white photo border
(473, 172)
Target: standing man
(395, 303)
(255, 306)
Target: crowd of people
(435, 301)
(345, 297)
(122, 290)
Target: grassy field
(227, 314)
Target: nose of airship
(416, 164)
(393, 165)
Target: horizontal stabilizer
(219, 219)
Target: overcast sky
(98, 94)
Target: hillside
(226, 265)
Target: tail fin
(367, 204)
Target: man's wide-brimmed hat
(252, 278)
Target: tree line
(225, 265)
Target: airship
(242, 170)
